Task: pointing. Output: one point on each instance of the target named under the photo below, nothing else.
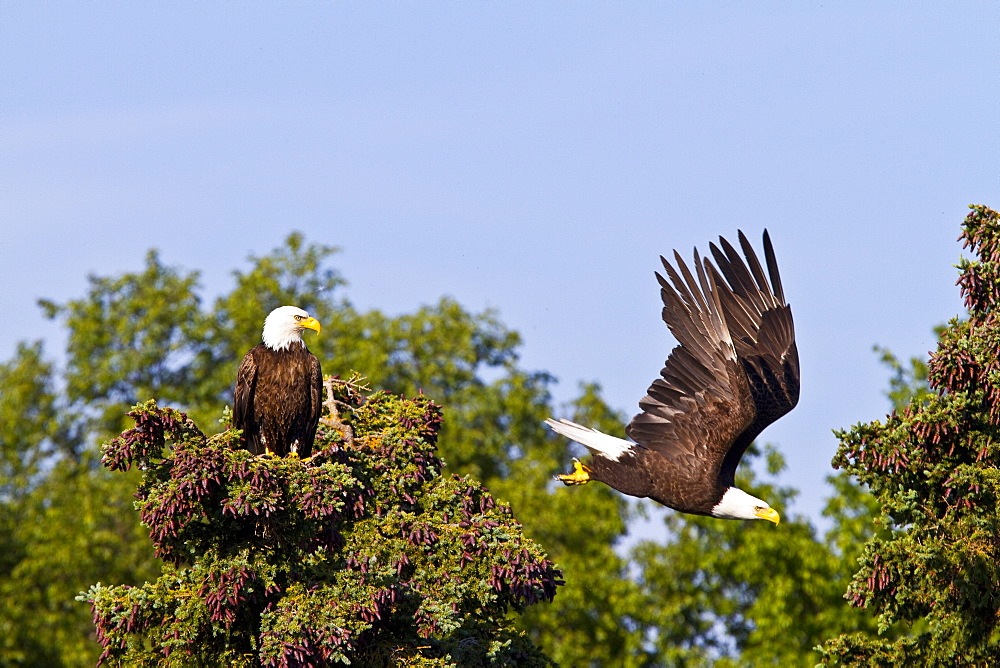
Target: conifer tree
(934, 467)
(364, 553)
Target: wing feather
(701, 402)
(736, 368)
(244, 414)
(760, 322)
(772, 268)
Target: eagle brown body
(279, 393)
(735, 371)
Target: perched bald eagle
(279, 387)
(735, 371)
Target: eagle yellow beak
(769, 514)
(311, 323)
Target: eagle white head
(738, 505)
(284, 326)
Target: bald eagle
(279, 387)
(735, 371)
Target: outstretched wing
(760, 325)
(701, 403)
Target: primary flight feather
(735, 371)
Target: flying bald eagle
(735, 371)
(279, 388)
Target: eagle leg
(579, 476)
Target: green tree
(723, 593)
(713, 591)
(77, 523)
(933, 468)
(60, 521)
(28, 421)
(595, 618)
(908, 384)
(492, 429)
(132, 337)
(365, 553)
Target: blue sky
(532, 157)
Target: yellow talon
(579, 476)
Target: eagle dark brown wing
(700, 405)
(316, 405)
(244, 416)
(760, 324)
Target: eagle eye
(299, 318)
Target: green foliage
(907, 384)
(363, 554)
(77, 522)
(934, 468)
(28, 421)
(150, 333)
(134, 336)
(61, 521)
(593, 620)
(493, 414)
(729, 593)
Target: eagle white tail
(599, 443)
